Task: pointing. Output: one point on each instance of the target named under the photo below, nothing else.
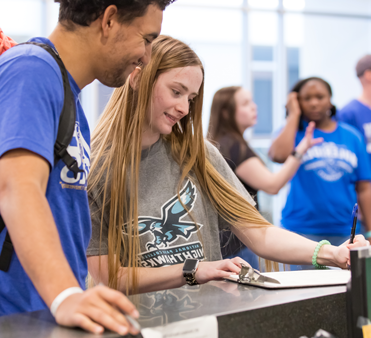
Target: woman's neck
(326, 125)
(149, 138)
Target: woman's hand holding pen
(341, 254)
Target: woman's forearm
(283, 246)
(283, 145)
(257, 175)
(149, 279)
(287, 171)
(155, 279)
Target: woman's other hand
(292, 105)
(308, 141)
(342, 252)
(218, 270)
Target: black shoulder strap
(67, 118)
(66, 128)
(7, 251)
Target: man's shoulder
(350, 131)
(27, 59)
(352, 108)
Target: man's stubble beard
(117, 77)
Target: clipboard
(298, 279)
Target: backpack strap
(66, 128)
(67, 118)
(7, 250)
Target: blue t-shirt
(358, 115)
(31, 100)
(322, 192)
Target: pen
(133, 322)
(130, 319)
(355, 215)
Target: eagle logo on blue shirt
(170, 226)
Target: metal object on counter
(249, 275)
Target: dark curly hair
(84, 12)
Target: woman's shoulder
(212, 148)
(214, 155)
(227, 140)
(236, 149)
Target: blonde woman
(160, 194)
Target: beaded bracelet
(316, 250)
(368, 234)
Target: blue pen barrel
(354, 226)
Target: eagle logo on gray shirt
(170, 226)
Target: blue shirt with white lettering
(322, 192)
(358, 115)
(31, 100)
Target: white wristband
(62, 296)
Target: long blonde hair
(116, 155)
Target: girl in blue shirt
(333, 174)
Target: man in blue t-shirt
(358, 112)
(45, 208)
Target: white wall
(28, 18)
(331, 49)
(216, 37)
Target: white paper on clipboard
(301, 279)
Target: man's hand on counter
(96, 309)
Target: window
(292, 66)
(262, 94)
(104, 94)
(262, 53)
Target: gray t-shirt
(167, 233)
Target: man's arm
(28, 218)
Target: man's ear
(367, 75)
(134, 77)
(108, 18)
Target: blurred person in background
(332, 174)
(358, 111)
(5, 42)
(232, 112)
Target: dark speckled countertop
(242, 311)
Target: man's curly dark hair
(84, 12)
